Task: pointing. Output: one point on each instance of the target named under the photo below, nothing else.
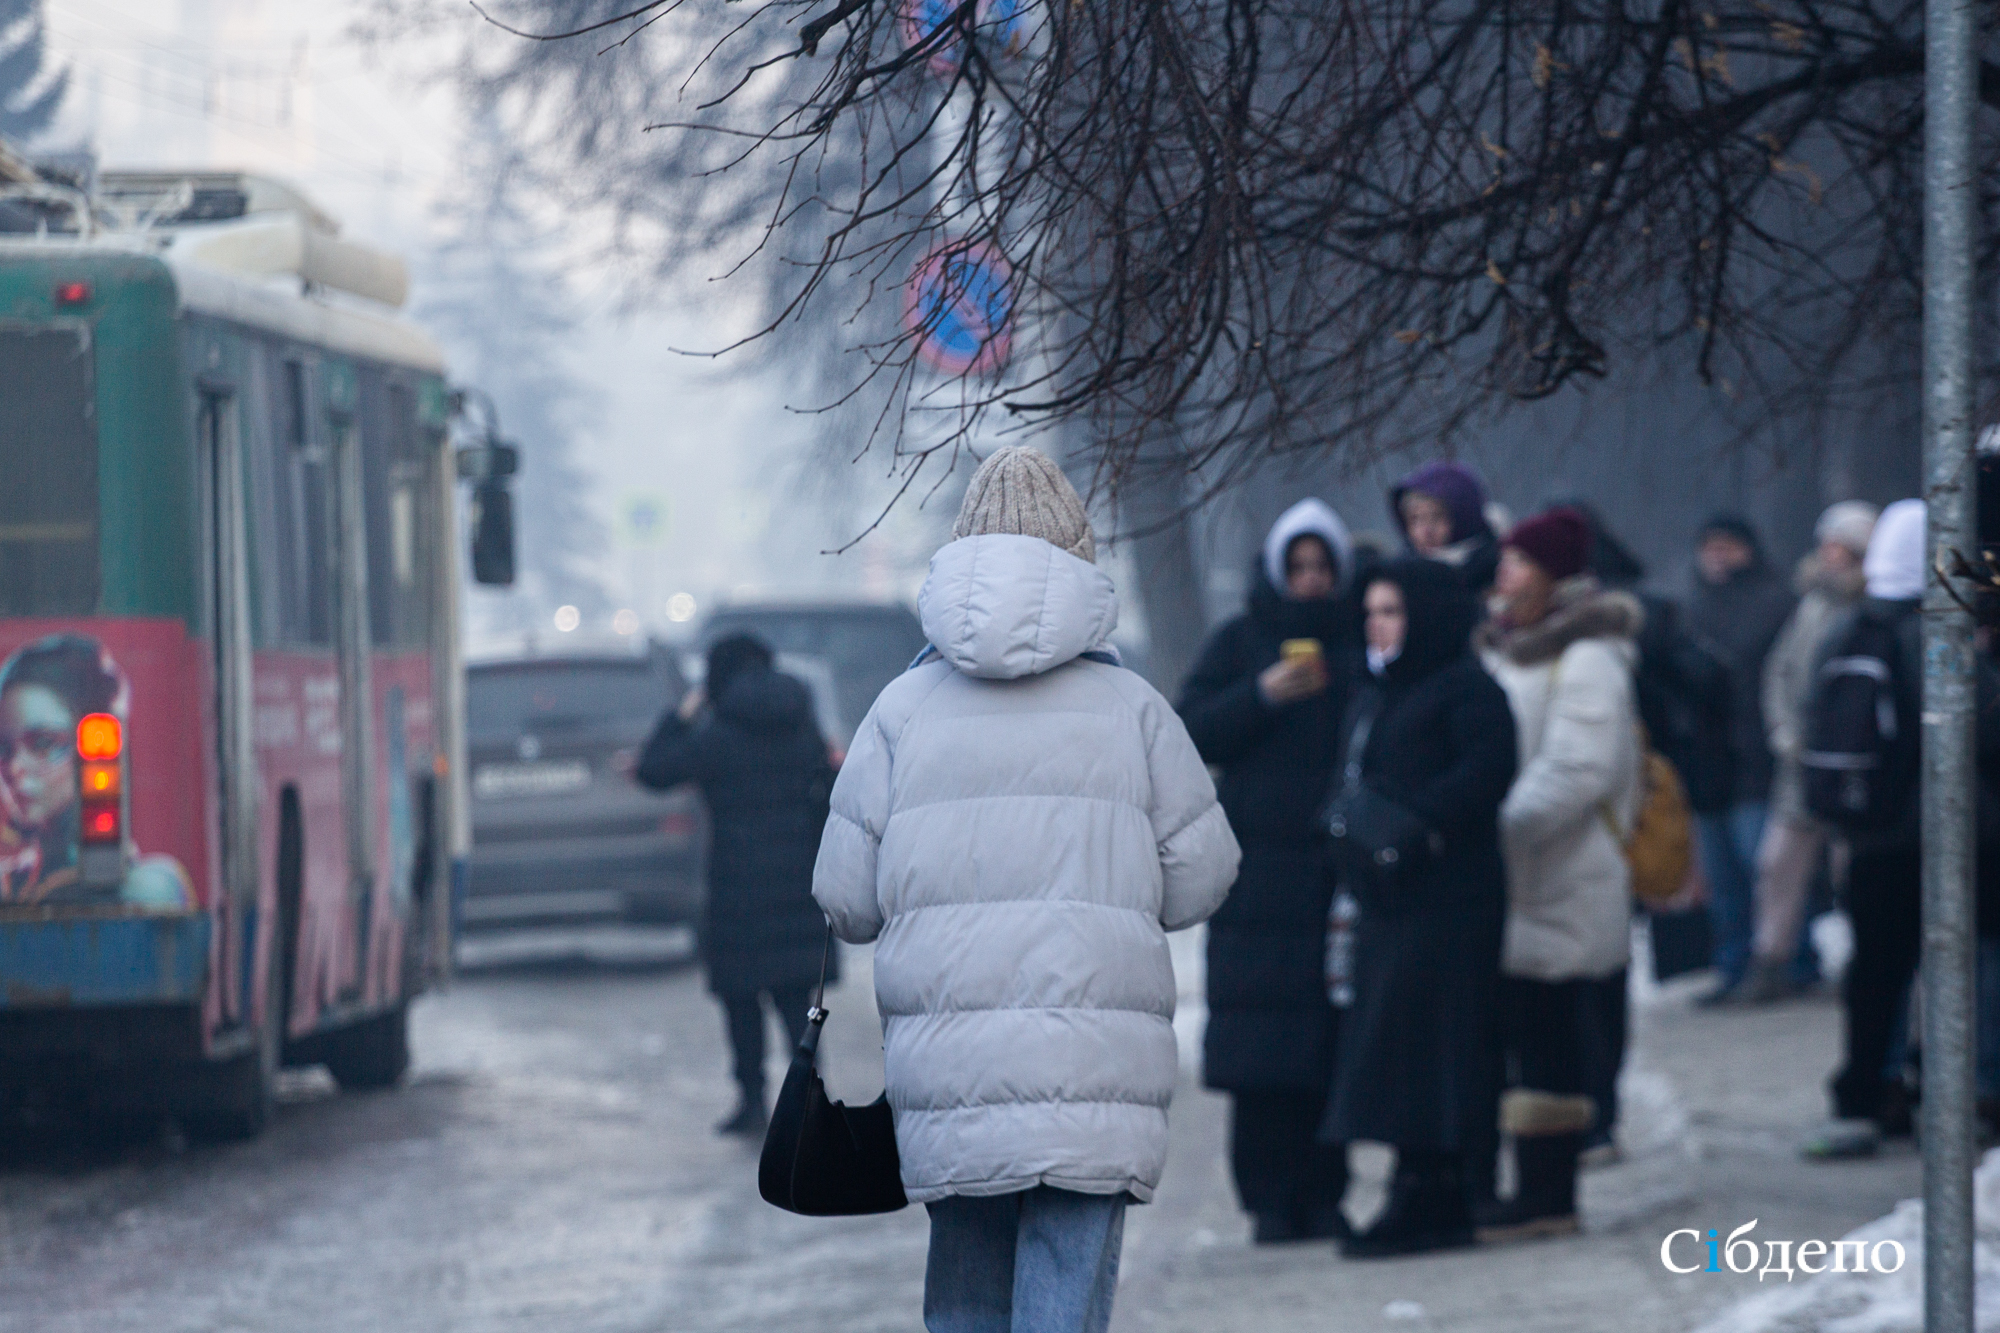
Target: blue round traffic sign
(960, 304)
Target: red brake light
(99, 736)
(101, 825)
(72, 293)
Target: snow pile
(1874, 1302)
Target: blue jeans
(1728, 842)
(1041, 1261)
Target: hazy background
(748, 495)
(613, 423)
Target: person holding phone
(1264, 704)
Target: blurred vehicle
(560, 832)
(864, 645)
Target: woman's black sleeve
(674, 754)
(1484, 757)
(1223, 709)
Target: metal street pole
(1950, 211)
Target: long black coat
(1741, 618)
(1269, 1023)
(1427, 952)
(762, 767)
(1686, 699)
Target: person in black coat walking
(1430, 733)
(763, 768)
(1268, 715)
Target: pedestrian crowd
(1417, 796)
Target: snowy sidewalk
(1716, 1105)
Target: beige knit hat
(1022, 492)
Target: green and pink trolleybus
(231, 796)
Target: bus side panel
(297, 731)
(298, 746)
(404, 745)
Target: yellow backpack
(1659, 850)
(1660, 847)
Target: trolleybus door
(357, 730)
(451, 833)
(226, 592)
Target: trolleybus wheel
(234, 1098)
(373, 1053)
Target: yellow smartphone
(1293, 650)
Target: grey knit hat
(1851, 523)
(1022, 492)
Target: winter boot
(1545, 1205)
(1548, 1131)
(1426, 1210)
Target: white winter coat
(1569, 681)
(1018, 827)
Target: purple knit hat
(1558, 541)
(1452, 485)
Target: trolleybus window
(288, 503)
(395, 494)
(48, 501)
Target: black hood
(1735, 525)
(765, 700)
(1442, 615)
(1328, 619)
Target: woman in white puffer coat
(1017, 825)
(1562, 649)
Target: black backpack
(1861, 742)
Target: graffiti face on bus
(46, 688)
(38, 749)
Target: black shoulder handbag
(823, 1158)
(1375, 841)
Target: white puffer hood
(1895, 560)
(1000, 607)
(1308, 518)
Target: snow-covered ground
(1874, 1301)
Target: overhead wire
(193, 92)
(153, 96)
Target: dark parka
(762, 767)
(1682, 687)
(1740, 618)
(1427, 949)
(1269, 1022)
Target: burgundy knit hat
(1558, 541)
